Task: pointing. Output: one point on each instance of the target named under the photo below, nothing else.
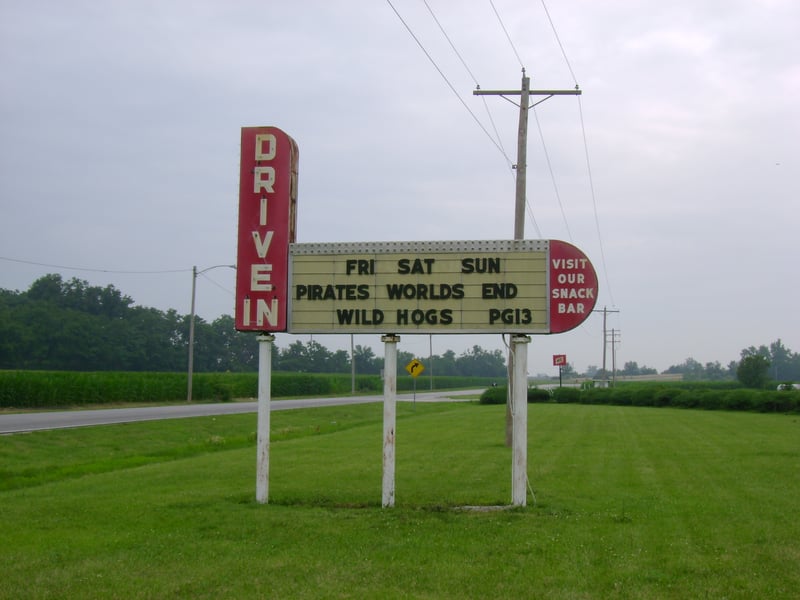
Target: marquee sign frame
(440, 287)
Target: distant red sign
(267, 218)
(559, 360)
(573, 286)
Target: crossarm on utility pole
(480, 92)
(522, 140)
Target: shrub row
(499, 394)
(46, 389)
(680, 396)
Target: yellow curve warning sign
(415, 367)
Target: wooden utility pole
(522, 159)
(605, 312)
(522, 139)
(614, 340)
(520, 193)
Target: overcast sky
(121, 125)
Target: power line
(449, 41)
(533, 219)
(220, 286)
(508, 37)
(594, 204)
(93, 270)
(586, 153)
(541, 137)
(496, 141)
(475, 80)
(552, 175)
(558, 39)
(443, 76)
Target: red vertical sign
(267, 217)
(573, 286)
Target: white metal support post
(264, 397)
(519, 466)
(389, 416)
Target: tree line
(62, 324)
(70, 325)
(757, 367)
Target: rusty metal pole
(389, 416)
(264, 398)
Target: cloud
(120, 147)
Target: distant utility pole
(605, 312)
(190, 377)
(522, 167)
(615, 337)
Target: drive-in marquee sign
(267, 218)
(505, 286)
(518, 287)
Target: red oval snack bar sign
(573, 286)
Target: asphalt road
(20, 422)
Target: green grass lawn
(630, 503)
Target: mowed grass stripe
(699, 476)
(631, 503)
